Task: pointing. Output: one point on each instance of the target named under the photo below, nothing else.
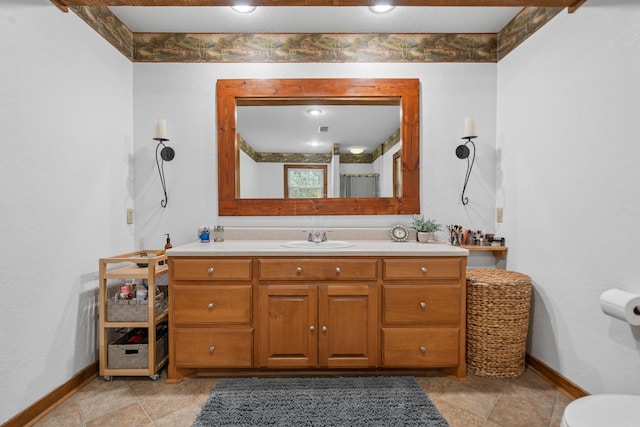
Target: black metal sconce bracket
(166, 154)
(463, 152)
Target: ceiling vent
(323, 129)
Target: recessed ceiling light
(314, 112)
(381, 8)
(356, 150)
(243, 8)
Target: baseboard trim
(42, 407)
(565, 386)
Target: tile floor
(525, 401)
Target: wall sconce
(166, 154)
(463, 152)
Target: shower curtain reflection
(359, 185)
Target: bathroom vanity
(256, 307)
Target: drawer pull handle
(299, 270)
(423, 305)
(338, 270)
(312, 328)
(210, 270)
(324, 329)
(210, 306)
(423, 269)
(212, 349)
(422, 349)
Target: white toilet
(603, 410)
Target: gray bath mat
(349, 401)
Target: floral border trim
(313, 47)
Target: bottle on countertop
(168, 244)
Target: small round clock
(399, 233)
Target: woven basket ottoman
(498, 304)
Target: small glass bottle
(218, 233)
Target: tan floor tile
(65, 415)
(456, 416)
(181, 418)
(130, 416)
(558, 410)
(435, 386)
(104, 397)
(506, 414)
(99, 386)
(173, 397)
(201, 385)
(472, 397)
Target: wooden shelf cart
(131, 266)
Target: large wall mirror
(318, 147)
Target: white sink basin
(331, 244)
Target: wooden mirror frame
(230, 91)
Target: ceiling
(291, 129)
(310, 19)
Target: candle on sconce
(161, 129)
(469, 127)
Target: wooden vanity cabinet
(424, 313)
(317, 312)
(210, 315)
(292, 313)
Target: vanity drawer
(318, 269)
(405, 304)
(210, 269)
(211, 304)
(422, 268)
(419, 347)
(213, 348)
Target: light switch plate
(498, 214)
(129, 216)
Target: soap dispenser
(168, 244)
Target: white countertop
(276, 248)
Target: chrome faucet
(317, 237)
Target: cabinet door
(347, 326)
(288, 332)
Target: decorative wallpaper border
(105, 23)
(288, 48)
(527, 22)
(314, 47)
(257, 157)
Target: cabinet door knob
(337, 269)
(312, 328)
(422, 349)
(423, 304)
(324, 329)
(210, 306)
(299, 270)
(210, 270)
(212, 349)
(423, 269)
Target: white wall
(65, 168)
(568, 111)
(184, 95)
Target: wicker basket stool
(498, 303)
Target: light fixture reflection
(356, 150)
(381, 8)
(314, 112)
(243, 8)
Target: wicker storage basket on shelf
(498, 304)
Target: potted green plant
(426, 228)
